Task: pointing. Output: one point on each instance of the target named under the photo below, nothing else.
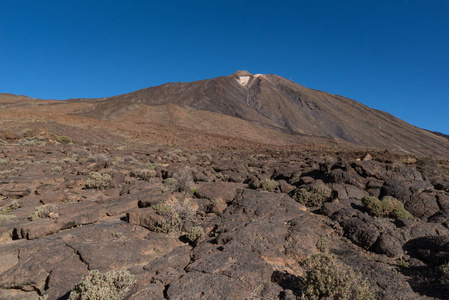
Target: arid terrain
(239, 187)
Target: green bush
(14, 205)
(445, 273)
(314, 195)
(162, 209)
(144, 174)
(172, 222)
(112, 285)
(6, 217)
(63, 139)
(269, 185)
(98, 180)
(323, 245)
(3, 161)
(387, 207)
(42, 211)
(328, 278)
(168, 225)
(195, 233)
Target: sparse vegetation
(402, 263)
(6, 217)
(112, 285)
(63, 139)
(323, 245)
(27, 132)
(42, 211)
(185, 180)
(329, 278)
(314, 195)
(3, 161)
(387, 207)
(219, 205)
(56, 169)
(98, 158)
(170, 181)
(444, 269)
(162, 209)
(98, 180)
(14, 205)
(144, 174)
(171, 224)
(186, 207)
(175, 211)
(269, 185)
(194, 233)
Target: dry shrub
(314, 195)
(42, 211)
(329, 278)
(175, 211)
(194, 233)
(98, 180)
(63, 139)
(144, 174)
(112, 285)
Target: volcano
(258, 108)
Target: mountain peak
(242, 73)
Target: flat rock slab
(218, 190)
(56, 263)
(146, 217)
(36, 229)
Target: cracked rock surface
(143, 206)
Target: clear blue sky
(391, 55)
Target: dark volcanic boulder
(422, 205)
(389, 245)
(363, 234)
(396, 189)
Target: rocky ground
(218, 224)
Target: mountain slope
(276, 103)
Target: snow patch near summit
(243, 80)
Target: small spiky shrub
(323, 245)
(194, 233)
(314, 195)
(112, 285)
(184, 180)
(6, 217)
(162, 209)
(269, 185)
(444, 269)
(27, 132)
(56, 169)
(175, 211)
(42, 211)
(329, 278)
(144, 174)
(63, 139)
(171, 222)
(98, 180)
(387, 207)
(14, 205)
